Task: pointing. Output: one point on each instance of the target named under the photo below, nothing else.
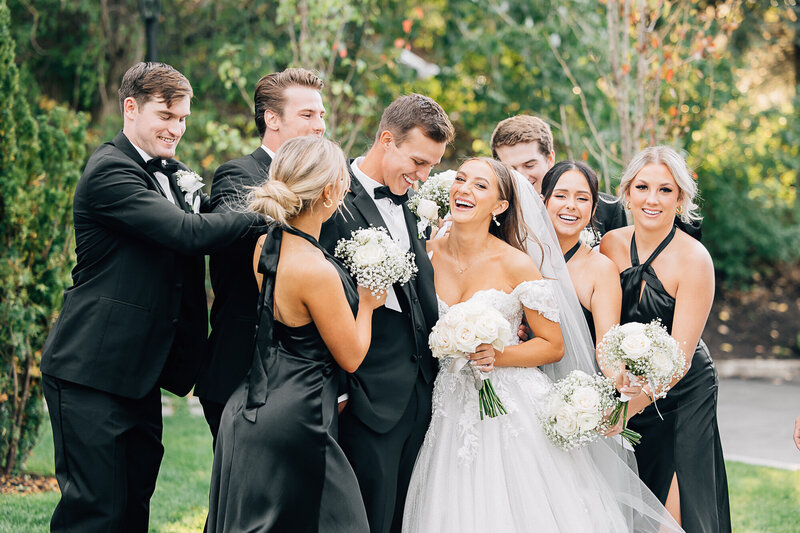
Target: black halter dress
(686, 442)
(277, 466)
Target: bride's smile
(475, 195)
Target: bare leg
(673, 503)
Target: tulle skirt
(503, 475)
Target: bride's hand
(483, 358)
(629, 388)
(365, 297)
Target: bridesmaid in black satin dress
(277, 466)
(667, 274)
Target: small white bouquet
(457, 334)
(575, 414)
(432, 200)
(375, 260)
(590, 236)
(645, 350)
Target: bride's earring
(628, 206)
(494, 218)
(327, 203)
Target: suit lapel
(124, 145)
(263, 160)
(177, 193)
(361, 201)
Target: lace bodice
(454, 394)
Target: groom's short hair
(270, 89)
(147, 81)
(416, 111)
(522, 129)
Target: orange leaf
(626, 68)
(584, 156)
(673, 111)
(669, 75)
(407, 23)
(418, 12)
(398, 43)
(343, 52)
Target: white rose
(588, 421)
(663, 364)
(368, 254)
(567, 421)
(632, 328)
(486, 329)
(464, 338)
(586, 400)
(635, 346)
(188, 181)
(428, 209)
(441, 343)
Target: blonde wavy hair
(676, 164)
(301, 170)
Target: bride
(502, 474)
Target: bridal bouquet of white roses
(432, 200)
(457, 334)
(576, 409)
(375, 260)
(645, 350)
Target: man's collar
(368, 183)
(270, 153)
(147, 157)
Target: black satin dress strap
(586, 313)
(644, 304)
(258, 379)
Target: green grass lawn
(762, 499)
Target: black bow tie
(162, 165)
(384, 192)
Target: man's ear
(386, 138)
(129, 107)
(551, 159)
(272, 120)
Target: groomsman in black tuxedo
(134, 320)
(288, 104)
(525, 143)
(384, 421)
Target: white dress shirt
(394, 218)
(162, 178)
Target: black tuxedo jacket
(135, 316)
(398, 353)
(233, 312)
(610, 214)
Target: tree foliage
(42, 149)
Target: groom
(134, 320)
(384, 422)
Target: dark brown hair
(270, 92)
(416, 111)
(522, 129)
(550, 180)
(152, 81)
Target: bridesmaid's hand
(616, 429)
(483, 358)
(365, 297)
(797, 432)
(627, 387)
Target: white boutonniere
(190, 182)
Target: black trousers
(383, 462)
(107, 455)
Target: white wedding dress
(502, 474)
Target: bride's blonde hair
(301, 170)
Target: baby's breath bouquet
(432, 200)
(375, 260)
(457, 334)
(575, 414)
(645, 350)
